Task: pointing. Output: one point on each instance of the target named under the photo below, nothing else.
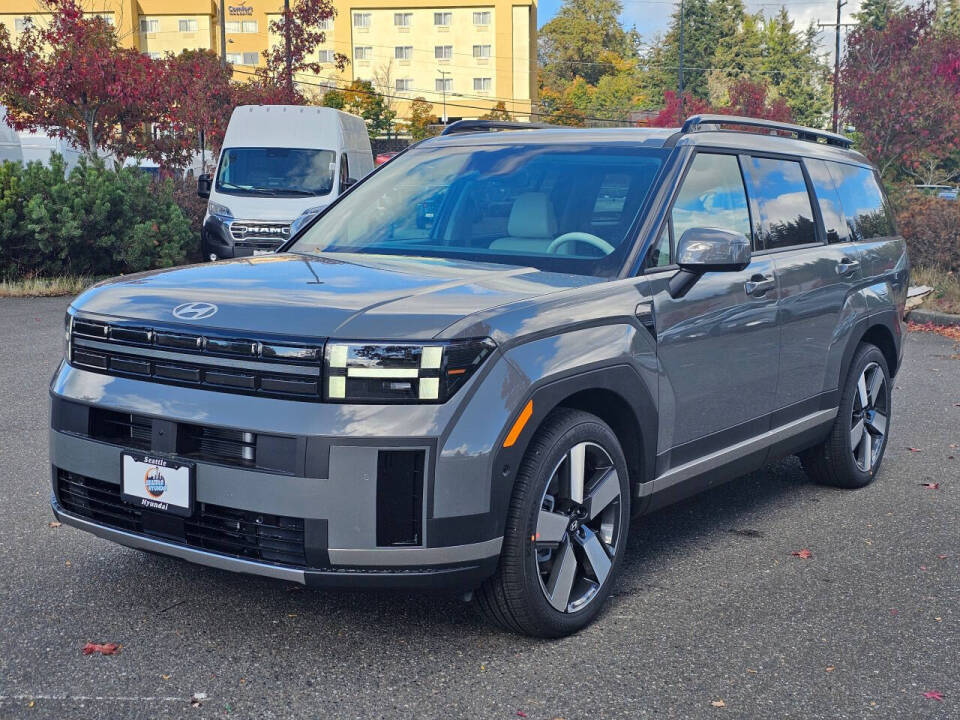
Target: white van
(10, 150)
(280, 166)
(37, 146)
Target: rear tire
(852, 453)
(566, 530)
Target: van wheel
(852, 453)
(566, 530)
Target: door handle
(758, 285)
(847, 266)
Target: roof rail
(694, 123)
(465, 126)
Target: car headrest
(532, 217)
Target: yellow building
(470, 56)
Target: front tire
(566, 530)
(852, 453)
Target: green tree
(948, 16)
(877, 13)
(421, 118)
(362, 99)
(334, 98)
(499, 112)
(575, 41)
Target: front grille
(266, 245)
(226, 531)
(213, 361)
(234, 447)
(133, 431)
(277, 232)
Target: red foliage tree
(70, 79)
(900, 89)
(747, 98)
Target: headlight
(400, 372)
(67, 331)
(219, 210)
(305, 217)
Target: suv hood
(362, 297)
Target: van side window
(830, 209)
(780, 191)
(712, 195)
(344, 171)
(862, 200)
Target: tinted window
(862, 201)
(785, 215)
(712, 195)
(276, 171)
(830, 208)
(506, 203)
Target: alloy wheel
(578, 527)
(868, 428)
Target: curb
(932, 316)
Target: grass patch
(46, 287)
(946, 289)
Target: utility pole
(680, 69)
(287, 20)
(223, 32)
(443, 85)
(836, 64)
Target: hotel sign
(242, 9)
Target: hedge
(931, 227)
(93, 221)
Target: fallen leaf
(942, 557)
(165, 677)
(802, 553)
(938, 619)
(751, 670)
(923, 567)
(893, 611)
(521, 713)
(914, 449)
(31, 704)
(954, 446)
(54, 524)
(933, 695)
(197, 699)
(68, 563)
(104, 649)
(718, 703)
(830, 668)
(931, 486)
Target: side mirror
(347, 183)
(204, 184)
(701, 250)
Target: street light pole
(443, 86)
(223, 32)
(680, 69)
(286, 41)
(836, 64)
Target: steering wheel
(599, 243)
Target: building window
(154, 55)
(325, 56)
(106, 17)
(403, 52)
(404, 19)
(234, 58)
(250, 58)
(361, 20)
(442, 18)
(481, 17)
(362, 53)
(482, 84)
(149, 26)
(443, 85)
(232, 26)
(188, 26)
(404, 85)
(22, 23)
(443, 52)
(324, 24)
(481, 51)
(249, 26)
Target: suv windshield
(564, 208)
(276, 171)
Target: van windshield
(563, 208)
(276, 171)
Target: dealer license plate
(156, 483)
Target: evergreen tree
(574, 42)
(877, 13)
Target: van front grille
(214, 528)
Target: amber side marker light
(519, 425)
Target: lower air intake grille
(226, 531)
(399, 497)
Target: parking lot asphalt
(712, 617)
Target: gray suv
(481, 363)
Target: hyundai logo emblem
(195, 311)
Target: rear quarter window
(863, 202)
(831, 210)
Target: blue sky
(652, 16)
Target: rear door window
(863, 203)
(784, 213)
(830, 209)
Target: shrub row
(92, 221)
(931, 227)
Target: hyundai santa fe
(479, 365)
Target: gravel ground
(711, 607)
